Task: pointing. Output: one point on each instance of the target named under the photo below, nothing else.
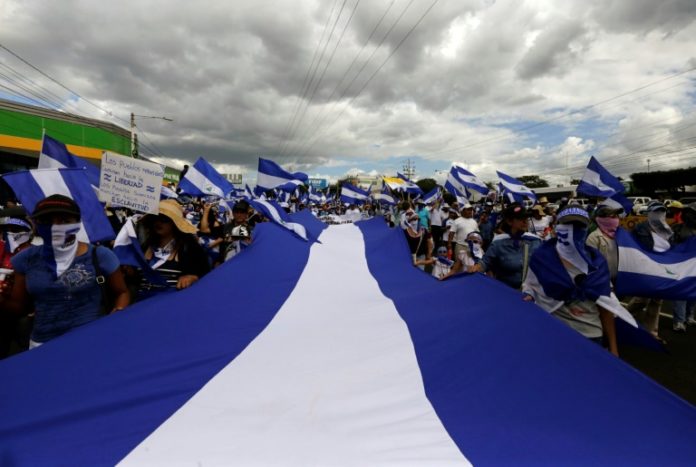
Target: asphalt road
(674, 369)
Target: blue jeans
(682, 310)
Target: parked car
(640, 203)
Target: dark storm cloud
(231, 74)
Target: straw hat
(173, 211)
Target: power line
(350, 67)
(26, 62)
(362, 68)
(564, 115)
(328, 62)
(369, 80)
(306, 78)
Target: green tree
(533, 181)
(426, 184)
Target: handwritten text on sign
(130, 183)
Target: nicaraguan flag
(598, 181)
(384, 196)
(168, 193)
(276, 214)
(514, 186)
(315, 196)
(432, 196)
(462, 179)
(248, 193)
(619, 201)
(353, 195)
(409, 186)
(127, 250)
(55, 155)
(271, 175)
(31, 186)
(203, 180)
(670, 275)
(349, 356)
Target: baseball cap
(515, 211)
(656, 206)
(573, 213)
(604, 210)
(467, 206)
(56, 204)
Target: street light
(132, 129)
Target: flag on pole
(353, 195)
(432, 196)
(55, 155)
(276, 214)
(598, 181)
(384, 196)
(515, 187)
(462, 179)
(271, 175)
(409, 186)
(202, 180)
(31, 186)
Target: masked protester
(571, 280)
(603, 238)
(420, 242)
(61, 277)
(507, 257)
(682, 311)
(652, 235)
(16, 237)
(469, 255)
(240, 239)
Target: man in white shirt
(461, 228)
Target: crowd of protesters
(51, 281)
(574, 249)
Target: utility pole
(132, 129)
(409, 169)
(648, 165)
(134, 136)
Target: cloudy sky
(342, 86)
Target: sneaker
(691, 321)
(679, 327)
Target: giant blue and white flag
(347, 356)
(514, 186)
(598, 181)
(203, 180)
(276, 214)
(31, 186)
(670, 275)
(271, 175)
(353, 195)
(55, 155)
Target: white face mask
(15, 239)
(60, 244)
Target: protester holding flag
(507, 258)
(63, 277)
(172, 250)
(211, 230)
(571, 281)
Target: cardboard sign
(130, 183)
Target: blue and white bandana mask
(60, 244)
(14, 239)
(570, 245)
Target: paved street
(675, 369)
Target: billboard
(318, 183)
(234, 178)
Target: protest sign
(130, 183)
